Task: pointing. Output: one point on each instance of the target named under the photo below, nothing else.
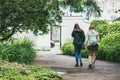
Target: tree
(35, 15)
(88, 6)
(92, 8)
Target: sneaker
(90, 66)
(76, 65)
(81, 64)
(93, 65)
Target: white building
(60, 33)
(39, 42)
(109, 9)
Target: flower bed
(15, 71)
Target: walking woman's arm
(73, 33)
(83, 36)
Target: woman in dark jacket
(79, 39)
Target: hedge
(21, 51)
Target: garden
(109, 45)
(36, 16)
(15, 56)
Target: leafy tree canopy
(37, 15)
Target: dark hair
(76, 25)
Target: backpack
(92, 39)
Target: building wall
(68, 24)
(43, 41)
(39, 42)
(110, 9)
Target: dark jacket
(79, 37)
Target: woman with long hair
(79, 39)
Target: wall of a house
(43, 41)
(68, 24)
(39, 42)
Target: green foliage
(108, 29)
(104, 28)
(20, 51)
(114, 28)
(34, 15)
(100, 26)
(84, 53)
(102, 52)
(15, 71)
(98, 23)
(68, 48)
(110, 48)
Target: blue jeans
(78, 56)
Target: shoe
(76, 65)
(81, 64)
(90, 66)
(93, 65)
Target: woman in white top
(92, 45)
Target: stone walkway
(64, 65)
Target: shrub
(102, 30)
(15, 71)
(108, 29)
(98, 23)
(20, 51)
(114, 28)
(84, 53)
(101, 54)
(110, 48)
(68, 48)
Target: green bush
(114, 28)
(68, 48)
(102, 30)
(98, 23)
(84, 53)
(15, 71)
(101, 54)
(108, 29)
(20, 51)
(110, 48)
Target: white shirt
(92, 35)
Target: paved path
(65, 66)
